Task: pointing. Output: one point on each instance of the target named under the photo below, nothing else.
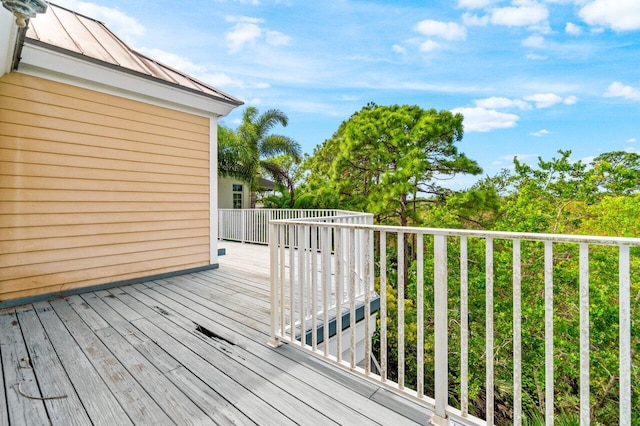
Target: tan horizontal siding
(96, 189)
(97, 154)
(49, 116)
(88, 129)
(96, 141)
(46, 219)
(32, 88)
(84, 173)
(42, 234)
(58, 184)
(10, 155)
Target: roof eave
(47, 61)
(226, 99)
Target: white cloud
(241, 34)
(534, 57)
(216, 79)
(539, 133)
(535, 41)
(254, 101)
(544, 100)
(326, 109)
(118, 22)
(399, 49)
(570, 100)
(224, 80)
(525, 13)
(471, 20)
(479, 119)
(495, 102)
(247, 31)
(618, 90)
(573, 29)
(276, 38)
(475, 4)
(429, 46)
(444, 30)
(631, 140)
(251, 2)
(619, 15)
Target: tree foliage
(386, 159)
(552, 196)
(251, 149)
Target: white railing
(333, 265)
(252, 225)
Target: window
(237, 196)
(237, 200)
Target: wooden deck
(186, 350)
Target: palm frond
(274, 145)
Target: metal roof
(77, 34)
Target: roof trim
(231, 101)
(45, 61)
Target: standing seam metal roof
(80, 35)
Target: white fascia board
(58, 66)
(213, 192)
(8, 35)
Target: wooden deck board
(19, 375)
(132, 354)
(64, 405)
(102, 406)
(173, 402)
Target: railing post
(274, 275)
(441, 332)
(624, 296)
(243, 226)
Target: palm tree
(251, 149)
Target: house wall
(225, 193)
(95, 188)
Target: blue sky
(530, 76)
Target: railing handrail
(498, 235)
(251, 225)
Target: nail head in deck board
(102, 407)
(16, 365)
(133, 398)
(52, 378)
